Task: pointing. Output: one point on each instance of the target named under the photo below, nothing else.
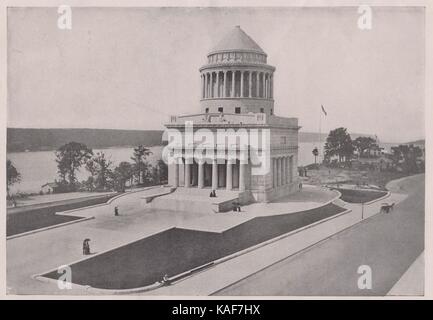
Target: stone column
(200, 182)
(267, 85)
(211, 85)
(229, 175)
(291, 169)
(278, 171)
(242, 176)
(271, 87)
(284, 171)
(274, 184)
(207, 85)
(176, 174)
(250, 84)
(258, 84)
(225, 84)
(193, 174)
(233, 83)
(214, 174)
(187, 174)
(202, 86)
(218, 84)
(281, 172)
(242, 85)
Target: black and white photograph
(207, 149)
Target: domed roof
(237, 40)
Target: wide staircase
(196, 200)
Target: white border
(229, 3)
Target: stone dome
(238, 41)
(236, 46)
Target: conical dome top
(237, 40)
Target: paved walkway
(388, 243)
(43, 251)
(412, 281)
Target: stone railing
(220, 118)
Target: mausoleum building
(237, 95)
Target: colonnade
(229, 175)
(282, 171)
(237, 83)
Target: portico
(215, 174)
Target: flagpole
(320, 134)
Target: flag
(324, 111)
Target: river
(39, 167)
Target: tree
(12, 175)
(338, 143)
(159, 172)
(122, 173)
(162, 170)
(315, 154)
(70, 157)
(406, 156)
(363, 145)
(100, 170)
(141, 167)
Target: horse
(386, 208)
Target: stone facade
(237, 96)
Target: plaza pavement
(39, 252)
(388, 243)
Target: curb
(378, 199)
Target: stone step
(196, 200)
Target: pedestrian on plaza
(116, 210)
(165, 280)
(86, 247)
(234, 207)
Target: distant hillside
(417, 142)
(314, 136)
(22, 139)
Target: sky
(131, 68)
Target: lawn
(36, 217)
(178, 250)
(360, 196)
(326, 175)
